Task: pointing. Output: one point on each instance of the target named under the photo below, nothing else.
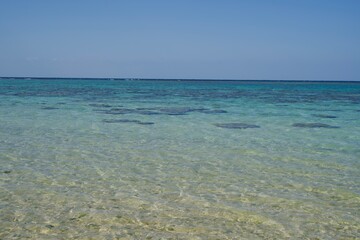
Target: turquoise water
(92, 159)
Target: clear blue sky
(227, 39)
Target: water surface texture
(92, 159)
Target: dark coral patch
(313, 125)
(186, 110)
(100, 105)
(126, 121)
(236, 125)
(151, 108)
(118, 111)
(145, 123)
(146, 112)
(49, 108)
(176, 110)
(159, 111)
(120, 121)
(324, 116)
(209, 111)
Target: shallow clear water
(179, 160)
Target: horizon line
(176, 79)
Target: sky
(206, 39)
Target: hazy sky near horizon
(216, 39)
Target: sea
(179, 159)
